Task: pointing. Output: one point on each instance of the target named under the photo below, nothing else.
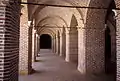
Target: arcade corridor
(51, 67)
(59, 40)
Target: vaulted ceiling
(61, 16)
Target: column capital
(81, 27)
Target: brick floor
(51, 67)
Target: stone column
(71, 46)
(81, 51)
(33, 45)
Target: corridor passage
(51, 67)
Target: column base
(23, 72)
(82, 71)
(61, 55)
(26, 72)
(67, 60)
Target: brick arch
(62, 23)
(37, 9)
(46, 21)
(73, 23)
(48, 26)
(66, 14)
(76, 12)
(47, 31)
(61, 19)
(111, 6)
(71, 34)
(53, 17)
(96, 14)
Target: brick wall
(95, 44)
(9, 42)
(118, 46)
(25, 57)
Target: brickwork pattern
(25, 51)
(72, 46)
(2, 37)
(95, 41)
(118, 46)
(93, 47)
(95, 51)
(9, 37)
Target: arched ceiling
(60, 2)
(63, 13)
(41, 12)
(93, 15)
(62, 16)
(53, 22)
(50, 18)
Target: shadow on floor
(51, 67)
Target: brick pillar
(35, 46)
(95, 47)
(62, 44)
(38, 45)
(72, 46)
(95, 41)
(118, 44)
(81, 51)
(9, 41)
(54, 44)
(37, 49)
(25, 56)
(58, 44)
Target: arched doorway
(110, 41)
(45, 41)
(72, 42)
(110, 53)
(110, 62)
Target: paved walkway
(51, 67)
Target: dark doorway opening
(45, 41)
(110, 67)
(107, 50)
